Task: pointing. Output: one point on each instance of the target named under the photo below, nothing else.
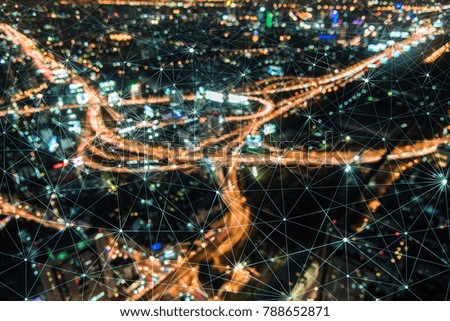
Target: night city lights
(222, 150)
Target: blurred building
(78, 275)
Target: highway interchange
(102, 148)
